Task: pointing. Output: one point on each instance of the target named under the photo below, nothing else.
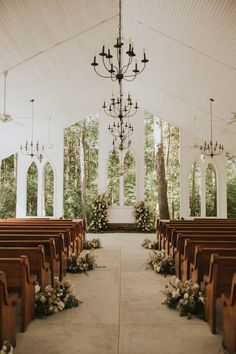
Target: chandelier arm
(126, 67)
(105, 65)
(110, 63)
(130, 77)
(103, 76)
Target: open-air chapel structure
(118, 62)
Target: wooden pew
(217, 282)
(200, 267)
(58, 238)
(36, 256)
(172, 239)
(179, 249)
(77, 227)
(41, 230)
(19, 280)
(191, 258)
(7, 313)
(229, 317)
(51, 256)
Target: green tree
(211, 191)
(8, 187)
(48, 189)
(80, 167)
(113, 178)
(129, 179)
(194, 191)
(32, 190)
(231, 186)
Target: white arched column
(121, 213)
(189, 154)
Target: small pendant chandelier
(112, 64)
(121, 111)
(211, 149)
(33, 149)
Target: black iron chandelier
(121, 129)
(211, 149)
(33, 149)
(113, 67)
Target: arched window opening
(48, 189)
(231, 186)
(8, 187)
(211, 191)
(113, 179)
(129, 179)
(80, 167)
(32, 190)
(195, 190)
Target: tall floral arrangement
(99, 214)
(144, 217)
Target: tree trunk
(162, 183)
(83, 177)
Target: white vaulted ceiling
(48, 46)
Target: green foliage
(113, 178)
(150, 184)
(8, 187)
(170, 135)
(48, 188)
(32, 190)
(211, 191)
(99, 214)
(231, 186)
(78, 197)
(144, 217)
(194, 191)
(129, 179)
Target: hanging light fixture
(211, 149)
(114, 69)
(121, 129)
(31, 149)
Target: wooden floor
(121, 314)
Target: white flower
(37, 288)
(186, 296)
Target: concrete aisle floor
(121, 314)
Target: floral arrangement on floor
(150, 244)
(7, 348)
(144, 217)
(55, 299)
(82, 264)
(185, 297)
(92, 244)
(161, 263)
(99, 214)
